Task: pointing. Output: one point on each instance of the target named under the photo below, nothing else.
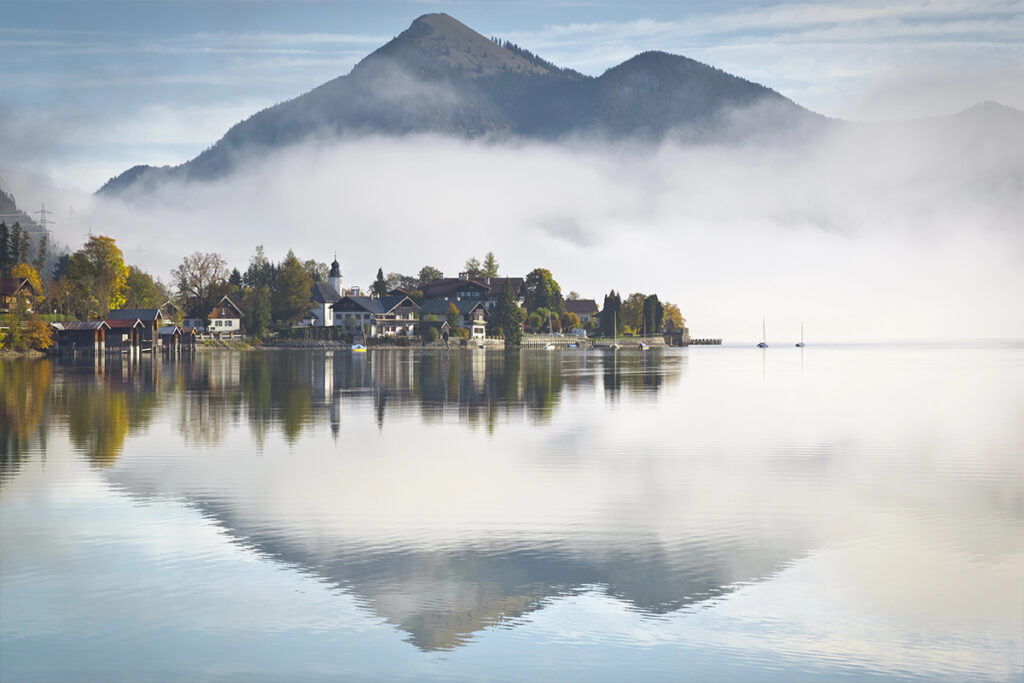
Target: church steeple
(334, 279)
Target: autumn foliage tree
(98, 276)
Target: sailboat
(801, 344)
(615, 332)
(764, 338)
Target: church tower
(334, 279)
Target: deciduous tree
(196, 277)
(427, 275)
(99, 276)
(542, 291)
(674, 316)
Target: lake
(706, 514)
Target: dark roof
(324, 293)
(449, 286)
(335, 268)
(125, 323)
(440, 306)
(384, 304)
(230, 302)
(579, 306)
(169, 330)
(146, 315)
(78, 325)
(11, 285)
(497, 284)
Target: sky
(907, 236)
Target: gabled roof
(497, 284)
(450, 286)
(169, 330)
(146, 315)
(82, 325)
(12, 285)
(381, 306)
(440, 306)
(124, 324)
(231, 303)
(579, 306)
(323, 293)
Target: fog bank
(870, 232)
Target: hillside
(440, 76)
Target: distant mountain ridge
(440, 76)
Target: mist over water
(863, 232)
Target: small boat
(801, 344)
(358, 348)
(643, 346)
(549, 347)
(764, 338)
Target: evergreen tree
(290, 300)
(40, 263)
(611, 315)
(5, 251)
(654, 313)
(257, 311)
(509, 317)
(379, 287)
(235, 279)
(490, 265)
(22, 243)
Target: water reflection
(457, 494)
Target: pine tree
(509, 317)
(40, 263)
(379, 287)
(5, 252)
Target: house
(472, 314)
(125, 333)
(77, 335)
(463, 287)
(224, 318)
(456, 289)
(497, 285)
(444, 330)
(15, 289)
(387, 316)
(322, 296)
(170, 336)
(150, 317)
(585, 309)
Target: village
(477, 308)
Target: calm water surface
(703, 514)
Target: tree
(452, 315)
(98, 275)
(5, 250)
(379, 287)
(257, 311)
(260, 272)
(290, 299)
(542, 291)
(509, 317)
(317, 270)
(574, 296)
(196, 279)
(654, 312)
(427, 275)
(235, 279)
(24, 270)
(141, 291)
(40, 262)
(611, 315)
(490, 265)
(473, 268)
(570, 320)
(674, 316)
(632, 312)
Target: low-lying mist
(873, 232)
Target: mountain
(440, 76)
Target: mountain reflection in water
(453, 494)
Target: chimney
(463, 275)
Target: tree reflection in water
(102, 400)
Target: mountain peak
(435, 43)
